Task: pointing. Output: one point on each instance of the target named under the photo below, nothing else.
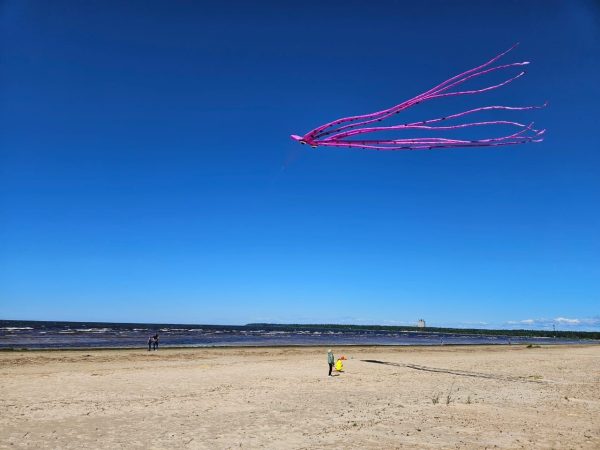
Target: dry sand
(444, 397)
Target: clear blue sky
(146, 170)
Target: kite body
(358, 131)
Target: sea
(70, 335)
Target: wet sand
(389, 397)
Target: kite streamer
(357, 131)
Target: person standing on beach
(150, 341)
(330, 360)
(155, 341)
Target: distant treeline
(469, 331)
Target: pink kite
(350, 131)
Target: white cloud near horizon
(586, 322)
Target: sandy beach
(388, 397)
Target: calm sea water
(32, 335)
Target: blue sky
(146, 170)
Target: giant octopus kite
(354, 131)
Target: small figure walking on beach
(150, 341)
(155, 342)
(330, 360)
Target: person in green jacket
(330, 360)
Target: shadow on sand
(462, 373)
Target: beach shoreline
(59, 335)
(164, 347)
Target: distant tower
(421, 323)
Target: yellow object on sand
(339, 366)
